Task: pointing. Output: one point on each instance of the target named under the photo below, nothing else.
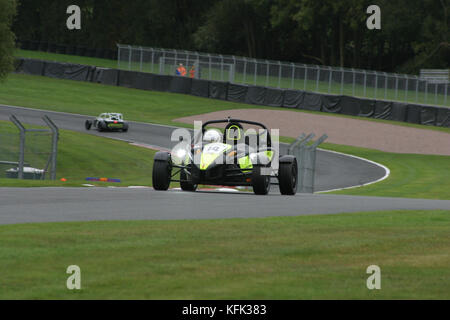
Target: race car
(107, 122)
(231, 158)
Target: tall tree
(7, 38)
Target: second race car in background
(108, 122)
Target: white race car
(108, 122)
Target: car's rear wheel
(162, 171)
(88, 124)
(287, 178)
(260, 183)
(185, 183)
(125, 127)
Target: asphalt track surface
(24, 205)
(333, 170)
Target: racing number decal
(215, 148)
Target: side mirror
(180, 139)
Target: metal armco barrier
(305, 152)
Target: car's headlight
(181, 153)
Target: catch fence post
(306, 76)
(129, 57)
(209, 67)
(365, 82)
(221, 67)
(141, 58)
(256, 69)
(55, 138)
(245, 70)
(22, 144)
(118, 56)
(330, 76)
(279, 74)
(385, 85)
(354, 81)
(317, 80)
(153, 60)
(445, 95)
(396, 86)
(417, 89)
(293, 75)
(376, 84)
(406, 87)
(310, 165)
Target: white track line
(386, 169)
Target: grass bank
(305, 257)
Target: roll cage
(239, 121)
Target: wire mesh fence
(28, 152)
(284, 75)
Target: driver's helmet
(234, 132)
(212, 136)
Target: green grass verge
(300, 84)
(412, 175)
(105, 63)
(81, 156)
(305, 257)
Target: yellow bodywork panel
(211, 152)
(245, 163)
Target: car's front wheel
(162, 171)
(260, 182)
(88, 124)
(185, 182)
(101, 126)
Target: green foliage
(414, 34)
(7, 12)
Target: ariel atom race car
(107, 122)
(231, 158)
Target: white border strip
(386, 169)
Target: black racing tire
(186, 185)
(161, 176)
(88, 124)
(101, 126)
(287, 178)
(125, 127)
(260, 183)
